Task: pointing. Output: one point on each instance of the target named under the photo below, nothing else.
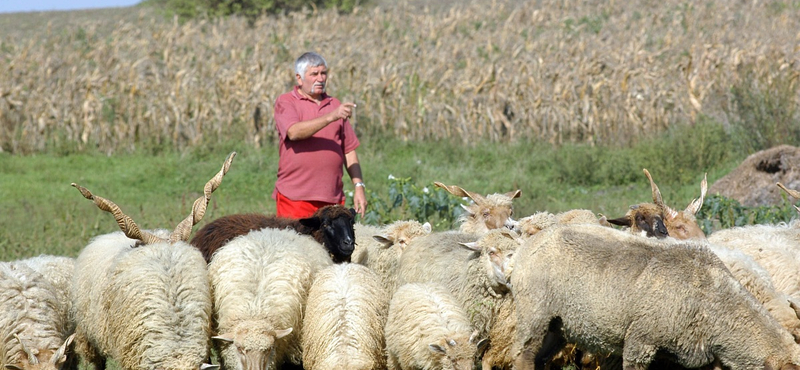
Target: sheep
(380, 248)
(343, 327)
(428, 329)
(612, 292)
(260, 282)
(533, 224)
(35, 325)
(143, 297)
(331, 226)
(758, 281)
(486, 213)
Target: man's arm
(354, 170)
(305, 129)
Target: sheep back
(344, 320)
(426, 316)
(147, 307)
(260, 284)
(34, 309)
(612, 292)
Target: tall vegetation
(249, 9)
(606, 74)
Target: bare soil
(752, 183)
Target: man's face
(313, 83)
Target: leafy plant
(406, 200)
(719, 212)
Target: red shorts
(298, 208)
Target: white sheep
(428, 329)
(260, 284)
(380, 248)
(143, 297)
(493, 211)
(612, 292)
(36, 329)
(343, 327)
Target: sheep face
(43, 359)
(457, 352)
(496, 250)
(400, 233)
(645, 219)
(486, 213)
(334, 226)
(254, 346)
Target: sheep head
(496, 250)
(645, 219)
(400, 233)
(333, 227)
(46, 359)
(254, 343)
(486, 213)
(183, 229)
(457, 352)
(533, 224)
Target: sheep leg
(528, 344)
(551, 345)
(392, 363)
(637, 353)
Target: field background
(565, 100)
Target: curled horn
(31, 358)
(125, 223)
(793, 193)
(460, 192)
(696, 204)
(184, 228)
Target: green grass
(42, 213)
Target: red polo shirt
(311, 169)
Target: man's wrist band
(361, 184)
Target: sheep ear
(352, 212)
(311, 222)
(473, 337)
(227, 338)
(13, 367)
(384, 240)
(208, 367)
(471, 246)
(282, 333)
(466, 208)
(435, 348)
(482, 345)
(514, 194)
(696, 204)
(622, 221)
(61, 354)
(427, 227)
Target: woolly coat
(612, 292)
(260, 283)
(383, 256)
(147, 307)
(35, 305)
(343, 328)
(424, 314)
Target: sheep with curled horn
(493, 211)
(143, 297)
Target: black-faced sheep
(331, 226)
(612, 292)
(36, 328)
(343, 327)
(143, 298)
(428, 329)
(260, 284)
(493, 211)
(380, 249)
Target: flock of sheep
(327, 293)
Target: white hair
(308, 59)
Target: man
(316, 141)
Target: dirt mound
(753, 182)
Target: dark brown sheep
(331, 226)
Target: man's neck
(317, 98)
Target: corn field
(550, 70)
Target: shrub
(719, 212)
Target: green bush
(251, 9)
(405, 200)
(719, 212)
